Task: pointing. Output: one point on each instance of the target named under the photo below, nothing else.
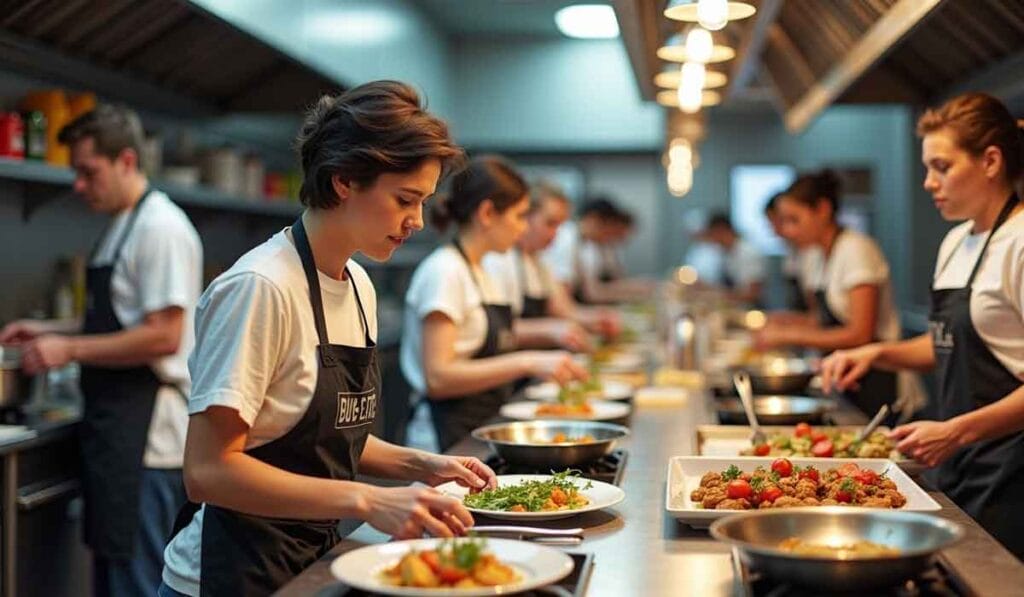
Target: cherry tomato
(867, 477)
(431, 559)
(782, 466)
(817, 436)
(823, 449)
(843, 496)
(771, 494)
(802, 430)
(762, 449)
(810, 473)
(738, 489)
(848, 470)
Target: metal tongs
(741, 379)
(534, 534)
(875, 422)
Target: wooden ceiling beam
(639, 27)
(889, 30)
(748, 59)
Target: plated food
(598, 387)
(825, 442)
(595, 410)
(537, 497)
(861, 548)
(458, 563)
(564, 409)
(785, 485)
(373, 568)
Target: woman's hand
(843, 368)
(554, 365)
(465, 470)
(408, 512)
(928, 442)
(570, 336)
(46, 352)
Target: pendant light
(711, 14)
(670, 98)
(675, 50)
(670, 77)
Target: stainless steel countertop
(640, 550)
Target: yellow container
(54, 105)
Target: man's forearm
(127, 348)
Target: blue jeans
(165, 591)
(161, 495)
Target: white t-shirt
(561, 256)
(160, 266)
(855, 260)
(256, 354)
(443, 283)
(509, 271)
(744, 264)
(997, 298)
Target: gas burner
(608, 469)
(933, 582)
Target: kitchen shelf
(37, 173)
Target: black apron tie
(455, 418)
(986, 478)
(243, 554)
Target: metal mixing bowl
(776, 410)
(779, 375)
(757, 534)
(528, 442)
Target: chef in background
(143, 281)
(743, 266)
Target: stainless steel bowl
(776, 410)
(15, 384)
(779, 375)
(757, 535)
(529, 442)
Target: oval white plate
(603, 411)
(538, 565)
(548, 391)
(622, 362)
(601, 496)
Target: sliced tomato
(782, 466)
(843, 496)
(802, 430)
(762, 449)
(738, 489)
(452, 574)
(823, 449)
(848, 470)
(817, 436)
(810, 473)
(431, 559)
(867, 477)
(771, 494)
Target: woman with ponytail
(972, 152)
(458, 337)
(852, 291)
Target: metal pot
(529, 442)
(779, 376)
(776, 410)
(756, 535)
(15, 384)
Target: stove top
(934, 582)
(574, 585)
(608, 469)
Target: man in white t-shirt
(743, 268)
(143, 281)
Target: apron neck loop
(133, 214)
(1004, 214)
(472, 274)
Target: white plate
(601, 496)
(548, 391)
(621, 362)
(538, 565)
(603, 410)
(685, 472)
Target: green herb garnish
(463, 553)
(531, 495)
(731, 473)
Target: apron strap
(127, 230)
(302, 246)
(472, 274)
(1004, 214)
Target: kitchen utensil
(529, 442)
(741, 380)
(757, 535)
(875, 422)
(547, 536)
(779, 375)
(776, 410)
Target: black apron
(986, 478)
(877, 387)
(247, 555)
(533, 306)
(118, 408)
(455, 418)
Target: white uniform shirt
(997, 299)
(160, 266)
(511, 269)
(561, 257)
(744, 264)
(257, 355)
(443, 283)
(856, 260)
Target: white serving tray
(685, 472)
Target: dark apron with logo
(455, 418)
(533, 306)
(986, 478)
(877, 387)
(247, 555)
(118, 408)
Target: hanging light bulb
(675, 50)
(712, 14)
(699, 45)
(680, 150)
(680, 178)
(671, 77)
(691, 87)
